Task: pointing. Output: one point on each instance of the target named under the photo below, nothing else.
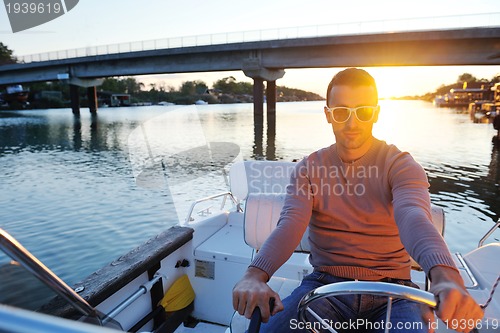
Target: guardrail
(365, 27)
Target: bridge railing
(339, 29)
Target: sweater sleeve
(293, 221)
(411, 202)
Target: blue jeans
(346, 313)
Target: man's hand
(455, 306)
(251, 291)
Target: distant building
(113, 99)
(47, 94)
(464, 96)
(487, 108)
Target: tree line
(225, 90)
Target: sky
(104, 22)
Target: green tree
(200, 87)
(132, 86)
(245, 88)
(114, 85)
(225, 85)
(228, 85)
(466, 77)
(193, 88)
(188, 88)
(286, 94)
(127, 85)
(6, 55)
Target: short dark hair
(352, 77)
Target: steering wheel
(390, 290)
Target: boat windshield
(27, 283)
(19, 288)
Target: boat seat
(259, 177)
(262, 211)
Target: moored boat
(15, 93)
(181, 280)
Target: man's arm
(455, 305)
(251, 291)
(427, 247)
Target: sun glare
(391, 82)
(385, 87)
(419, 80)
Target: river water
(72, 192)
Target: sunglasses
(341, 114)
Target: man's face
(353, 133)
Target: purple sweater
(364, 217)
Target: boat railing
(143, 289)
(474, 283)
(224, 197)
(488, 234)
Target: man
(368, 208)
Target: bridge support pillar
(92, 98)
(258, 96)
(90, 84)
(75, 99)
(271, 120)
(258, 116)
(260, 74)
(271, 97)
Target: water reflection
(258, 145)
(95, 141)
(37, 131)
(458, 186)
(494, 167)
(258, 137)
(77, 134)
(271, 137)
(187, 165)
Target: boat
(112, 99)
(181, 280)
(15, 93)
(165, 103)
(201, 102)
(482, 111)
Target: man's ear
(328, 115)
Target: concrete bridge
(267, 60)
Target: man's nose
(352, 121)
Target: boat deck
(202, 327)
